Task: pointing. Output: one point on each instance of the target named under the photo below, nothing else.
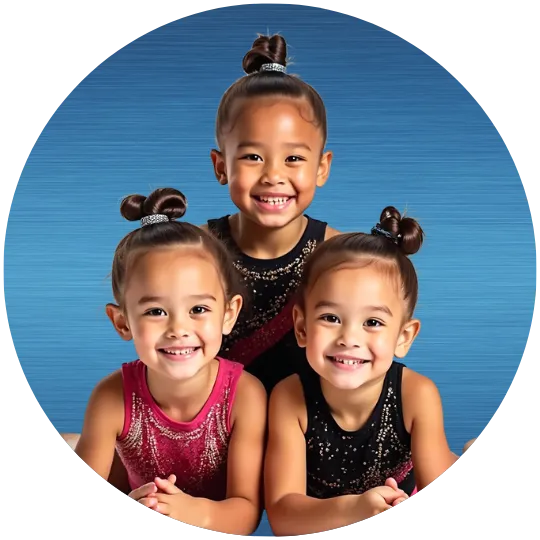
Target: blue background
(403, 132)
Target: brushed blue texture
(403, 131)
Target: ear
(232, 310)
(406, 337)
(119, 321)
(220, 170)
(299, 322)
(324, 168)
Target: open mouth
(273, 200)
(348, 361)
(184, 351)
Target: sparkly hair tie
(154, 218)
(379, 231)
(273, 67)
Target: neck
(264, 242)
(182, 400)
(352, 408)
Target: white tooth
(176, 353)
(274, 200)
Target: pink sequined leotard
(151, 444)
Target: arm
(422, 411)
(290, 510)
(330, 233)
(103, 422)
(240, 512)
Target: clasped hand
(161, 495)
(381, 498)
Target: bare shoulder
(419, 396)
(111, 386)
(108, 395)
(289, 390)
(416, 386)
(330, 232)
(287, 401)
(250, 403)
(250, 388)
(105, 411)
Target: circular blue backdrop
(403, 131)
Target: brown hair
(390, 243)
(265, 50)
(173, 204)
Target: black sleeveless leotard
(263, 338)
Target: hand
(146, 494)
(394, 485)
(380, 499)
(170, 500)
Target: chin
(181, 373)
(272, 222)
(343, 383)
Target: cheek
(143, 332)
(305, 185)
(242, 177)
(319, 338)
(211, 327)
(383, 343)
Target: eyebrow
(251, 144)
(333, 305)
(384, 309)
(158, 299)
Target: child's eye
(198, 310)
(294, 159)
(332, 319)
(373, 323)
(156, 312)
(252, 157)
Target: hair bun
(407, 229)
(167, 201)
(265, 50)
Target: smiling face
(352, 325)
(272, 159)
(175, 311)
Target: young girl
(188, 426)
(271, 132)
(357, 420)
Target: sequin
(370, 467)
(196, 451)
(264, 330)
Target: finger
(400, 500)
(172, 479)
(382, 509)
(166, 486)
(150, 502)
(391, 483)
(163, 508)
(143, 491)
(389, 494)
(162, 497)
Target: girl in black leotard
(271, 132)
(358, 432)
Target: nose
(178, 327)
(273, 174)
(350, 337)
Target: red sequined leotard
(152, 444)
